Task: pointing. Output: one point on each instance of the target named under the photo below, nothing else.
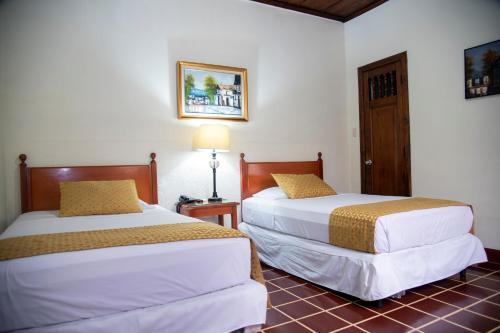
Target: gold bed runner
(353, 227)
(28, 246)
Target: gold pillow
(303, 185)
(98, 198)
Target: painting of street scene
(210, 91)
(482, 70)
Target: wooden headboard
(256, 176)
(40, 185)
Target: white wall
(454, 142)
(93, 82)
(3, 216)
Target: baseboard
(493, 255)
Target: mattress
(63, 287)
(365, 275)
(309, 218)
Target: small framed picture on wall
(482, 70)
(211, 91)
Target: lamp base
(214, 199)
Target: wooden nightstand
(211, 209)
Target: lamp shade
(211, 137)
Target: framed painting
(482, 70)
(211, 91)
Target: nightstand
(211, 209)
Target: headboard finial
(25, 194)
(154, 179)
(319, 156)
(23, 159)
(242, 156)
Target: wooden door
(385, 127)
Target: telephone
(184, 199)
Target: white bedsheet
(309, 218)
(365, 275)
(70, 286)
(221, 311)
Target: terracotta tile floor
(447, 306)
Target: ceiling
(339, 10)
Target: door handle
(368, 162)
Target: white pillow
(144, 205)
(272, 193)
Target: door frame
(404, 123)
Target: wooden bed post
(243, 184)
(23, 169)
(320, 161)
(154, 188)
(243, 176)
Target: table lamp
(213, 138)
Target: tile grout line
(487, 277)
(381, 314)
(289, 321)
(296, 320)
(490, 273)
(437, 318)
(314, 314)
(280, 324)
(397, 321)
(448, 289)
(474, 285)
(453, 305)
(441, 319)
(401, 305)
(483, 300)
(326, 310)
(298, 300)
(444, 317)
(489, 297)
(350, 325)
(277, 278)
(457, 311)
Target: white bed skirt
(223, 311)
(367, 276)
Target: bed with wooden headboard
(90, 274)
(40, 185)
(290, 235)
(256, 176)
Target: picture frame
(211, 91)
(482, 70)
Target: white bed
(176, 287)
(293, 235)
(309, 218)
(367, 276)
(412, 249)
(143, 288)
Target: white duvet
(64, 287)
(309, 218)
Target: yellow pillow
(98, 198)
(303, 185)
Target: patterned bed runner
(28, 246)
(353, 227)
